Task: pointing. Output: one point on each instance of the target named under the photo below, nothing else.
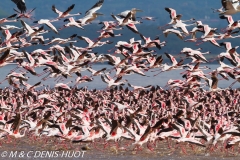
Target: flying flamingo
(48, 23)
(24, 15)
(20, 5)
(65, 13)
(111, 82)
(3, 20)
(72, 22)
(231, 7)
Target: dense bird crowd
(183, 110)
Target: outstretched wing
(104, 79)
(54, 9)
(20, 5)
(94, 8)
(4, 56)
(69, 9)
(37, 84)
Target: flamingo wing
(54, 9)
(4, 56)
(104, 79)
(69, 9)
(133, 28)
(95, 7)
(20, 5)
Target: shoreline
(91, 151)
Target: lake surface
(161, 151)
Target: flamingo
(237, 77)
(63, 85)
(65, 13)
(30, 31)
(3, 20)
(133, 15)
(15, 132)
(148, 18)
(231, 7)
(177, 32)
(111, 82)
(109, 25)
(24, 15)
(48, 23)
(62, 41)
(136, 88)
(95, 7)
(182, 26)
(125, 21)
(152, 43)
(213, 82)
(94, 72)
(81, 79)
(31, 87)
(9, 27)
(107, 34)
(174, 65)
(92, 44)
(175, 18)
(20, 5)
(231, 24)
(72, 22)
(91, 14)
(4, 57)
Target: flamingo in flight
(231, 7)
(111, 82)
(136, 88)
(94, 8)
(127, 22)
(20, 5)
(72, 22)
(3, 20)
(48, 23)
(91, 14)
(177, 32)
(24, 15)
(174, 17)
(65, 13)
(133, 13)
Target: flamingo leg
(232, 84)
(45, 78)
(149, 147)
(40, 74)
(3, 80)
(106, 144)
(110, 50)
(14, 69)
(157, 73)
(197, 44)
(169, 145)
(57, 79)
(192, 147)
(183, 149)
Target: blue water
(97, 83)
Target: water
(97, 83)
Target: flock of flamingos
(184, 111)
